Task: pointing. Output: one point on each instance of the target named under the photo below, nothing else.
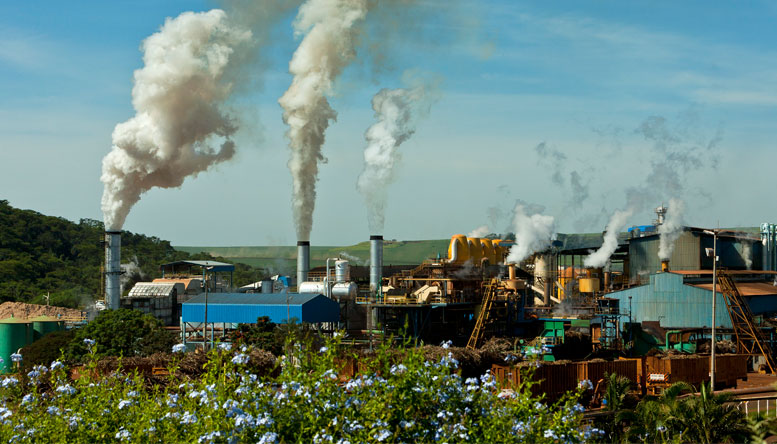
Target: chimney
(665, 265)
(303, 261)
(376, 264)
(112, 269)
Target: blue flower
(225, 346)
(382, 435)
(179, 348)
(53, 410)
(268, 438)
(323, 350)
(398, 369)
(122, 434)
(55, 365)
(188, 418)
(89, 343)
(16, 357)
(28, 398)
(240, 359)
(124, 403)
(585, 384)
(66, 389)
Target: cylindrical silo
(13, 336)
(303, 261)
(43, 325)
(458, 250)
(376, 263)
(475, 250)
(112, 269)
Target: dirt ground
(757, 380)
(21, 310)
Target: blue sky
(581, 77)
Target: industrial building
(473, 293)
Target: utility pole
(714, 234)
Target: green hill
(284, 259)
(42, 254)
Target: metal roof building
(245, 308)
(682, 300)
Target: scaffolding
(749, 338)
(489, 294)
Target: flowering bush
(411, 401)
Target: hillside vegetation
(42, 254)
(278, 259)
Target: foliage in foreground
(411, 401)
(121, 332)
(673, 418)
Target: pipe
(112, 269)
(376, 264)
(665, 265)
(303, 261)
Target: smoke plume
(481, 231)
(330, 29)
(178, 97)
(533, 233)
(747, 254)
(671, 229)
(397, 112)
(600, 257)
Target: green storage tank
(14, 334)
(43, 325)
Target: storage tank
(488, 251)
(458, 250)
(43, 325)
(342, 271)
(344, 290)
(475, 250)
(589, 285)
(14, 334)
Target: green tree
(122, 333)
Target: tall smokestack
(376, 263)
(112, 269)
(303, 261)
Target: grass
(284, 258)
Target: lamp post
(205, 326)
(714, 234)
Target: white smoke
(747, 254)
(330, 29)
(130, 271)
(481, 231)
(178, 97)
(671, 229)
(600, 257)
(533, 233)
(397, 112)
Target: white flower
(89, 343)
(56, 364)
(179, 348)
(446, 344)
(323, 350)
(226, 346)
(398, 369)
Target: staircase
(489, 294)
(749, 338)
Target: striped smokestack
(112, 269)
(303, 261)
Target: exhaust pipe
(112, 269)
(376, 264)
(303, 261)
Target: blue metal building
(684, 299)
(245, 308)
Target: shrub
(122, 332)
(47, 349)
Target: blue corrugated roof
(235, 308)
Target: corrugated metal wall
(643, 254)
(319, 309)
(675, 305)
